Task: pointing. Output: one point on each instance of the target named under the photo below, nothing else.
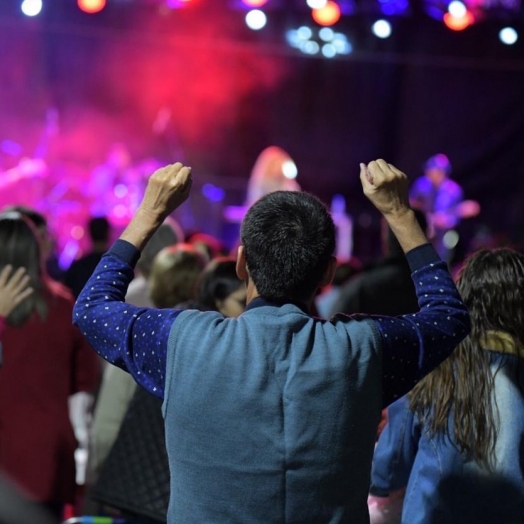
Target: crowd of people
(272, 384)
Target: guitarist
(442, 199)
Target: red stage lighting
(91, 6)
(458, 23)
(254, 3)
(327, 15)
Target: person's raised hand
(385, 186)
(167, 188)
(14, 288)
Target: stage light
(328, 15)
(394, 7)
(175, 4)
(341, 44)
(304, 32)
(327, 34)
(256, 19)
(329, 50)
(451, 239)
(254, 3)
(213, 193)
(457, 9)
(508, 36)
(310, 47)
(316, 4)
(120, 191)
(31, 7)
(456, 23)
(91, 6)
(381, 29)
(289, 169)
(77, 232)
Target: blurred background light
(316, 4)
(508, 35)
(381, 29)
(458, 23)
(31, 7)
(327, 34)
(256, 19)
(91, 6)
(327, 15)
(457, 9)
(289, 169)
(254, 3)
(329, 50)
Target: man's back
(291, 404)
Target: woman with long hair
(456, 441)
(45, 361)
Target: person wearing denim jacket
(456, 441)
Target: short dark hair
(99, 228)
(218, 280)
(288, 239)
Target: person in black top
(80, 270)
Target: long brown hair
(19, 247)
(457, 397)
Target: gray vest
(271, 417)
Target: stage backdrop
(211, 93)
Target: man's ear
(241, 266)
(329, 273)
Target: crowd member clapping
(45, 361)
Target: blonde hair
(174, 274)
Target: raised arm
(134, 339)
(413, 345)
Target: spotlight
(316, 4)
(254, 3)
(256, 19)
(327, 15)
(91, 6)
(457, 9)
(31, 7)
(329, 50)
(327, 34)
(289, 169)
(341, 44)
(456, 23)
(381, 29)
(304, 32)
(508, 36)
(310, 47)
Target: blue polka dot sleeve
(413, 345)
(134, 339)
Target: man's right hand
(386, 187)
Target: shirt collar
(263, 301)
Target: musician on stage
(442, 199)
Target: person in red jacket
(45, 361)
